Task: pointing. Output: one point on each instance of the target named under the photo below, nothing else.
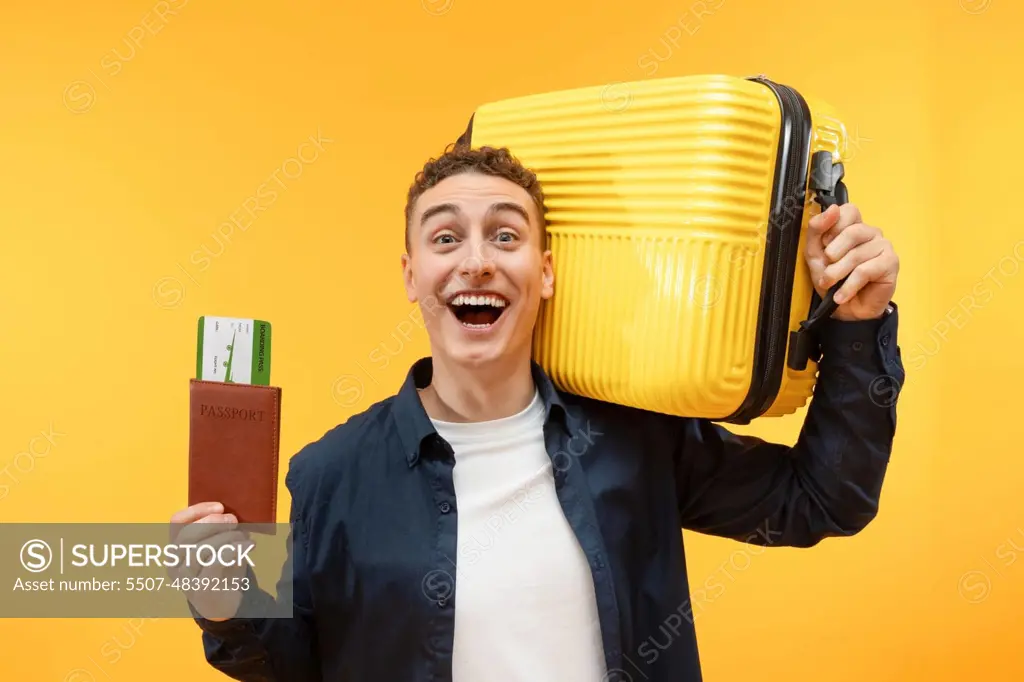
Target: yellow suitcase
(677, 214)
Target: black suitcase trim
(466, 138)
(782, 244)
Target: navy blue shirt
(374, 520)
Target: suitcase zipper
(782, 242)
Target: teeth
(490, 300)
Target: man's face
(478, 267)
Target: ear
(548, 274)
(410, 284)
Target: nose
(480, 262)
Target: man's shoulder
(341, 448)
(582, 409)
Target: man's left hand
(839, 244)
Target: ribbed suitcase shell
(661, 197)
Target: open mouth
(478, 311)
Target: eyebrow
(494, 208)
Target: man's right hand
(213, 590)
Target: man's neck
(474, 394)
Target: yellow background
(118, 167)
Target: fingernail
(838, 298)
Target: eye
(506, 236)
(444, 239)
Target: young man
(483, 525)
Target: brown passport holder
(234, 432)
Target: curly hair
(460, 158)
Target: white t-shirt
(525, 609)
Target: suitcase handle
(829, 189)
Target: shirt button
(857, 345)
(885, 340)
(442, 602)
(444, 507)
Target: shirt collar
(414, 425)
